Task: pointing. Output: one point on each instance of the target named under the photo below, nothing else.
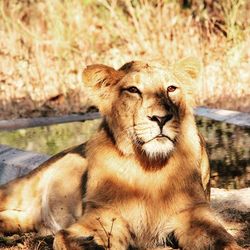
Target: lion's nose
(161, 120)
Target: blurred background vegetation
(44, 45)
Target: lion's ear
(187, 71)
(100, 79)
(99, 76)
(191, 66)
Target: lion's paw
(65, 241)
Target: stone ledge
(45, 121)
(228, 116)
(16, 162)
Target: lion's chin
(158, 147)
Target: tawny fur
(142, 182)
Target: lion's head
(144, 104)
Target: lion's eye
(171, 88)
(133, 90)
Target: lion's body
(141, 182)
(35, 201)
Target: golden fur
(144, 177)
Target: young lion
(144, 177)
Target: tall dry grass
(44, 45)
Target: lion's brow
(136, 66)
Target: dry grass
(26, 241)
(44, 45)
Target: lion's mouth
(161, 145)
(161, 138)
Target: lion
(141, 182)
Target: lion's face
(144, 104)
(146, 109)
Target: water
(228, 146)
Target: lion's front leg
(197, 229)
(98, 230)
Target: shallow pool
(228, 146)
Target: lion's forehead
(150, 79)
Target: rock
(233, 210)
(15, 162)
